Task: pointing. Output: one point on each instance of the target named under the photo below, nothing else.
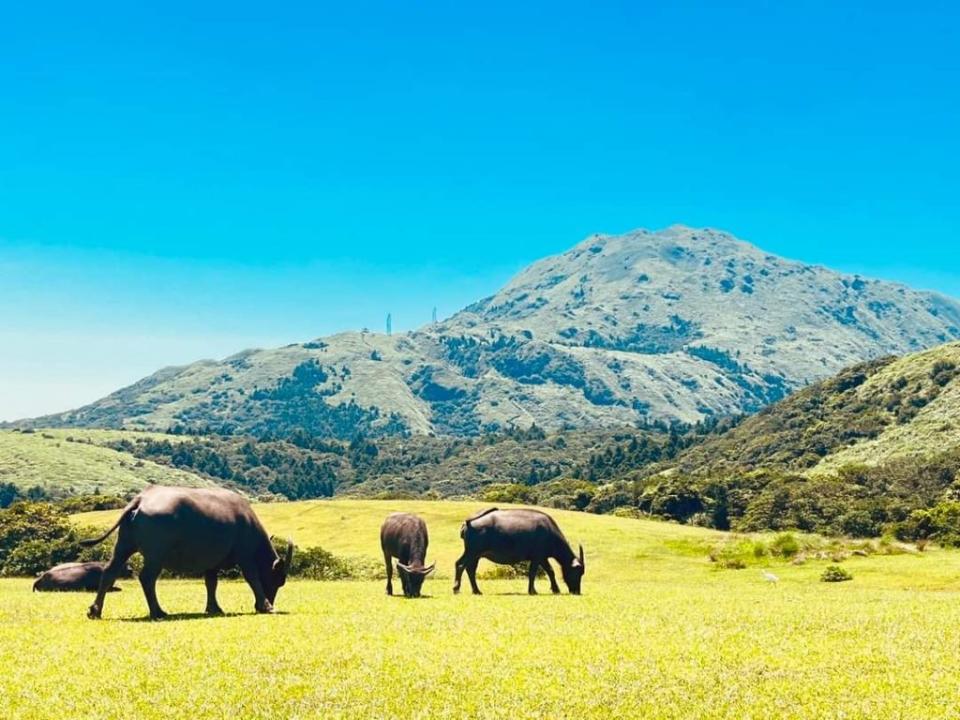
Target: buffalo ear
(289, 558)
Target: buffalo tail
(125, 514)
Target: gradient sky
(181, 181)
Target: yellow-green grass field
(658, 633)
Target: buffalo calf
(75, 576)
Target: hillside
(75, 462)
(529, 464)
(874, 449)
(871, 414)
(675, 325)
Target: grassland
(659, 633)
(80, 465)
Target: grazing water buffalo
(75, 576)
(404, 536)
(192, 530)
(512, 536)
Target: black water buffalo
(192, 530)
(512, 536)
(404, 536)
(75, 576)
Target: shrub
(31, 534)
(835, 573)
(736, 553)
(315, 563)
(34, 556)
(509, 572)
(89, 503)
(940, 523)
(785, 545)
(507, 493)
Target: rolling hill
(76, 462)
(675, 325)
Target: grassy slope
(658, 634)
(935, 428)
(47, 459)
(851, 418)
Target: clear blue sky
(184, 180)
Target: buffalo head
(573, 573)
(277, 576)
(412, 578)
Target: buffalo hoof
(456, 591)
(159, 615)
(94, 612)
(215, 610)
(477, 592)
(555, 591)
(265, 610)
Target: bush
(507, 493)
(736, 553)
(34, 556)
(835, 573)
(509, 572)
(785, 545)
(89, 503)
(941, 523)
(315, 563)
(31, 536)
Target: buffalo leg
(117, 564)
(148, 581)
(472, 574)
(554, 588)
(532, 576)
(210, 578)
(252, 576)
(386, 559)
(461, 563)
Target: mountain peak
(680, 323)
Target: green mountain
(680, 324)
(857, 454)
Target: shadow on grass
(515, 593)
(176, 617)
(401, 596)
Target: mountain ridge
(675, 325)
